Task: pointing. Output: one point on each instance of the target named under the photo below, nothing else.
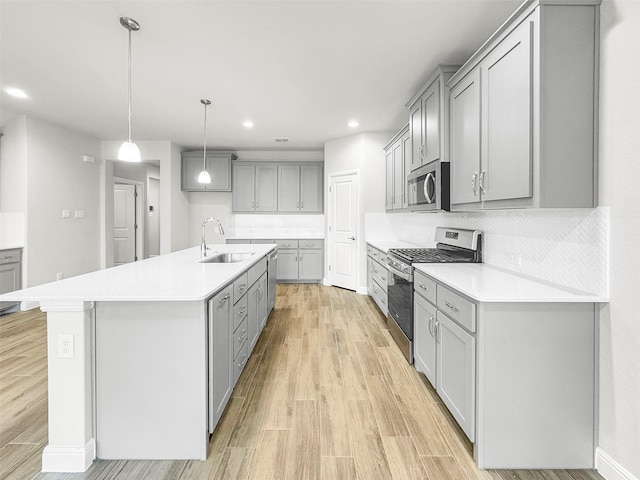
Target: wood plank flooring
(326, 395)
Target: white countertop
(175, 276)
(9, 246)
(385, 245)
(485, 283)
(277, 235)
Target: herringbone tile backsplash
(567, 247)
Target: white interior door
(124, 224)
(343, 206)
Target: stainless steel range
(452, 245)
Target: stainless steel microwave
(428, 187)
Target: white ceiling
(299, 69)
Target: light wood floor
(326, 395)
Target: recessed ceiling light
(247, 124)
(16, 92)
(353, 124)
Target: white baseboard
(68, 458)
(30, 305)
(610, 469)
(362, 291)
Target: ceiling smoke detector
(281, 139)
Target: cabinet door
(431, 122)
(289, 191)
(266, 193)
(416, 132)
(243, 188)
(424, 340)
(465, 139)
(253, 320)
(9, 277)
(507, 118)
(287, 264)
(456, 366)
(263, 311)
(398, 175)
(388, 205)
(219, 167)
(220, 354)
(407, 158)
(310, 264)
(311, 198)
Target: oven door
(428, 187)
(400, 300)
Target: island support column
(70, 338)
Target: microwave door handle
(429, 178)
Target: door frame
(329, 233)
(140, 231)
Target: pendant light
(204, 176)
(129, 151)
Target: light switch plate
(79, 213)
(66, 213)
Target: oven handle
(407, 276)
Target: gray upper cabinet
(300, 188)
(218, 164)
(524, 113)
(254, 188)
(283, 187)
(428, 119)
(398, 161)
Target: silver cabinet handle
(286, 244)
(452, 307)
(242, 287)
(438, 333)
(244, 360)
(473, 183)
(481, 180)
(301, 204)
(241, 337)
(297, 204)
(241, 311)
(431, 325)
(224, 299)
(424, 287)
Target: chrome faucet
(203, 246)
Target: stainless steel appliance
(428, 187)
(452, 245)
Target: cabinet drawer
(240, 361)
(263, 241)
(375, 254)
(310, 243)
(240, 337)
(256, 271)
(240, 287)
(237, 241)
(457, 307)
(369, 251)
(424, 286)
(382, 258)
(379, 274)
(240, 310)
(10, 256)
(380, 296)
(287, 243)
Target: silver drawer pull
(431, 325)
(241, 337)
(241, 311)
(224, 299)
(424, 287)
(241, 364)
(452, 307)
(242, 287)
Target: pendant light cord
(129, 85)
(204, 148)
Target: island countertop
(177, 276)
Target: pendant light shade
(204, 176)
(129, 151)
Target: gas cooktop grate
(429, 255)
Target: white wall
(364, 153)
(619, 174)
(52, 177)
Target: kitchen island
(132, 355)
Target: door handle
(352, 238)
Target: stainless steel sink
(226, 258)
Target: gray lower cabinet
(518, 377)
(514, 138)
(221, 354)
(10, 274)
(218, 164)
(377, 277)
(299, 260)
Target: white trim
(68, 458)
(362, 290)
(610, 468)
(141, 210)
(30, 305)
(65, 305)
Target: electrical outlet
(514, 258)
(65, 346)
(59, 276)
